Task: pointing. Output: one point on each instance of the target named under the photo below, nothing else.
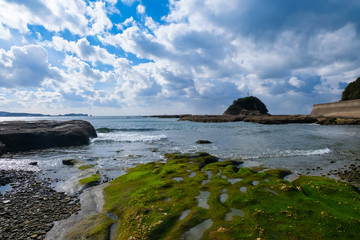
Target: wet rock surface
(30, 209)
(28, 135)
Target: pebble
(32, 206)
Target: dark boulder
(70, 162)
(203, 142)
(28, 135)
(2, 148)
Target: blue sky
(131, 57)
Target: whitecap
(127, 137)
(290, 153)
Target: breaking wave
(127, 137)
(291, 153)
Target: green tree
(352, 91)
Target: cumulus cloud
(76, 16)
(201, 53)
(4, 32)
(295, 82)
(87, 52)
(264, 54)
(140, 9)
(24, 66)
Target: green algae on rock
(95, 178)
(150, 204)
(84, 167)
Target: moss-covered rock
(93, 180)
(84, 167)
(166, 200)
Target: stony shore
(30, 207)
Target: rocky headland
(28, 135)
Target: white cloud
(4, 32)
(140, 9)
(56, 15)
(128, 2)
(206, 54)
(87, 52)
(295, 82)
(202, 43)
(24, 66)
(99, 20)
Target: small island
(252, 109)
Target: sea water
(129, 141)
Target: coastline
(266, 119)
(348, 173)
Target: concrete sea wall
(346, 109)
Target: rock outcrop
(28, 135)
(248, 106)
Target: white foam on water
(127, 137)
(289, 153)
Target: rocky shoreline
(265, 119)
(194, 196)
(29, 206)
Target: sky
(143, 57)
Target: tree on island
(247, 105)
(352, 91)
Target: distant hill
(9, 114)
(352, 91)
(247, 106)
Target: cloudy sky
(139, 57)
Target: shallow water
(6, 188)
(184, 214)
(197, 232)
(243, 189)
(203, 198)
(271, 191)
(133, 140)
(234, 180)
(234, 212)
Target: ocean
(124, 142)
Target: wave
(292, 153)
(289, 153)
(127, 137)
(109, 130)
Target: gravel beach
(29, 206)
